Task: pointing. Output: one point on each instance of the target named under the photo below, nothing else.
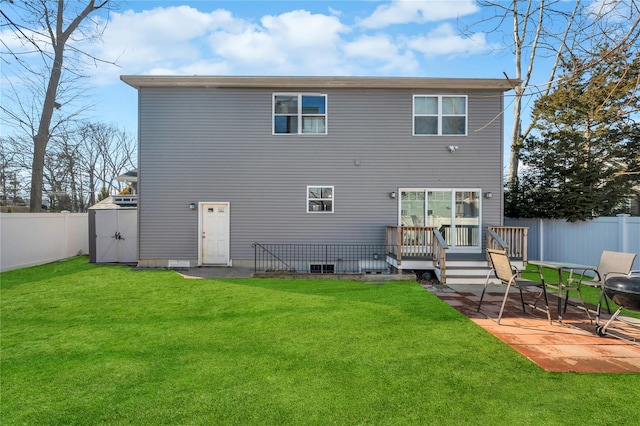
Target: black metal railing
(321, 258)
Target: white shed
(113, 230)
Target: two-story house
(227, 162)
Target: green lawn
(87, 344)
(591, 294)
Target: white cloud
(334, 12)
(382, 52)
(168, 41)
(161, 34)
(185, 41)
(292, 43)
(194, 68)
(444, 40)
(600, 8)
(417, 11)
(380, 46)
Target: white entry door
(214, 219)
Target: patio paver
(570, 346)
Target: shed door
(116, 236)
(215, 233)
(106, 243)
(128, 229)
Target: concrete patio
(571, 345)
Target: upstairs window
(298, 114)
(440, 115)
(319, 199)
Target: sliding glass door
(455, 212)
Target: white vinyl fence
(581, 242)
(28, 239)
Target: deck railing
(513, 239)
(439, 249)
(414, 241)
(417, 242)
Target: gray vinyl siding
(216, 145)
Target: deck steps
(466, 272)
(462, 269)
(469, 271)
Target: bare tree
(56, 180)
(67, 154)
(91, 137)
(15, 158)
(8, 172)
(82, 161)
(541, 33)
(121, 153)
(50, 28)
(105, 153)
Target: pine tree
(103, 194)
(581, 160)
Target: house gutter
(140, 81)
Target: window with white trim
(439, 115)
(299, 114)
(319, 199)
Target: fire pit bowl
(624, 291)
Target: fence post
(525, 244)
(623, 232)
(65, 234)
(541, 238)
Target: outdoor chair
(508, 274)
(612, 263)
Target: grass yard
(88, 344)
(591, 294)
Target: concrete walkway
(248, 272)
(216, 272)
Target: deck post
(399, 244)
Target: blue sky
(418, 38)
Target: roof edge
(282, 82)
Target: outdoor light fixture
(452, 148)
(392, 195)
(488, 195)
(192, 206)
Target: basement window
(321, 268)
